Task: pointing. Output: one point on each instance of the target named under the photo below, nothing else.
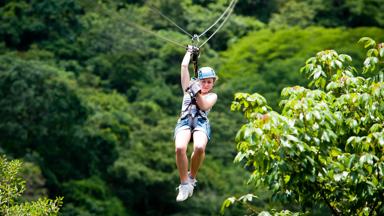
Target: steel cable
(221, 25)
(156, 34)
(226, 13)
(161, 14)
(221, 16)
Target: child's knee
(181, 150)
(199, 149)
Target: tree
(326, 146)
(293, 13)
(12, 187)
(42, 112)
(91, 197)
(262, 9)
(25, 22)
(267, 61)
(328, 13)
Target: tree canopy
(90, 94)
(326, 145)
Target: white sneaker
(185, 191)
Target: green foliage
(11, 188)
(93, 196)
(35, 186)
(374, 63)
(28, 95)
(38, 114)
(108, 127)
(246, 202)
(365, 12)
(92, 99)
(321, 68)
(12, 185)
(25, 22)
(325, 146)
(328, 13)
(267, 61)
(39, 207)
(293, 13)
(258, 8)
(44, 116)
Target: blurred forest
(90, 101)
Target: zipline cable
(221, 16)
(161, 14)
(221, 25)
(155, 34)
(195, 37)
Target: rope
(224, 21)
(218, 19)
(161, 14)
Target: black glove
(194, 88)
(193, 49)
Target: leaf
(228, 202)
(339, 64)
(351, 161)
(300, 147)
(369, 169)
(381, 141)
(344, 57)
(317, 74)
(368, 42)
(247, 197)
(292, 138)
(287, 178)
(239, 157)
(367, 62)
(381, 52)
(311, 60)
(285, 143)
(332, 86)
(366, 158)
(325, 137)
(372, 52)
(340, 176)
(335, 152)
(311, 160)
(264, 213)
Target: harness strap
(193, 102)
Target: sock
(189, 175)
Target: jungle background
(88, 101)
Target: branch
(319, 187)
(380, 194)
(334, 210)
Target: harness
(188, 111)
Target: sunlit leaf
(368, 42)
(381, 52)
(287, 178)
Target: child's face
(206, 85)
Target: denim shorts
(197, 123)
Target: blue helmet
(206, 72)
